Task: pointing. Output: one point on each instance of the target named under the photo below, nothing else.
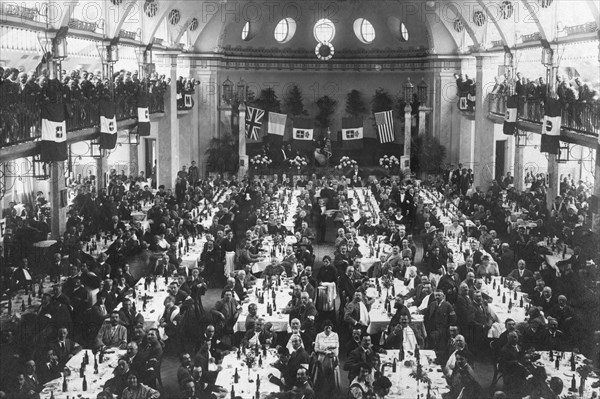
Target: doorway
(150, 160)
(500, 159)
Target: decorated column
(553, 182)
(519, 176)
(58, 199)
(484, 168)
(243, 169)
(407, 129)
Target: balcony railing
(531, 37)
(583, 28)
(579, 117)
(20, 116)
(125, 34)
(82, 25)
(14, 10)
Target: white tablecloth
(279, 320)
(517, 313)
(95, 382)
(406, 387)
(246, 386)
(565, 374)
(379, 317)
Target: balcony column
(58, 223)
(168, 129)
(243, 169)
(484, 167)
(407, 129)
(553, 180)
(101, 171)
(133, 160)
(596, 215)
(518, 170)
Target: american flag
(253, 122)
(385, 125)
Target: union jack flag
(253, 122)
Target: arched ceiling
(432, 24)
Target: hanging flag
(276, 123)
(551, 127)
(108, 124)
(385, 126)
(303, 133)
(188, 102)
(54, 132)
(352, 133)
(253, 122)
(510, 119)
(143, 114)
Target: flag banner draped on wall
(108, 124)
(143, 114)
(303, 133)
(352, 133)
(510, 119)
(253, 122)
(385, 126)
(54, 132)
(551, 127)
(276, 123)
(188, 102)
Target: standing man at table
(357, 313)
(449, 283)
(112, 334)
(439, 316)
(364, 354)
(298, 358)
(228, 310)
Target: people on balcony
(21, 93)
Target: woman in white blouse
(327, 347)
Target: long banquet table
(95, 382)
(405, 386)
(246, 387)
(279, 320)
(566, 375)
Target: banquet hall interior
(299, 199)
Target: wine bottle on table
(232, 392)
(573, 361)
(557, 362)
(84, 384)
(65, 387)
(394, 365)
(236, 377)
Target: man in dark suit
(522, 275)
(64, 348)
(509, 363)
(32, 381)
(438, 317)
(553, 338)
(363, 354)
(449, 283)
(298, 358)
(115, 225)
(49, 369)
(128, 317)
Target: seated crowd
(452, 296)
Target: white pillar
(243, 169)
(407, 129)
